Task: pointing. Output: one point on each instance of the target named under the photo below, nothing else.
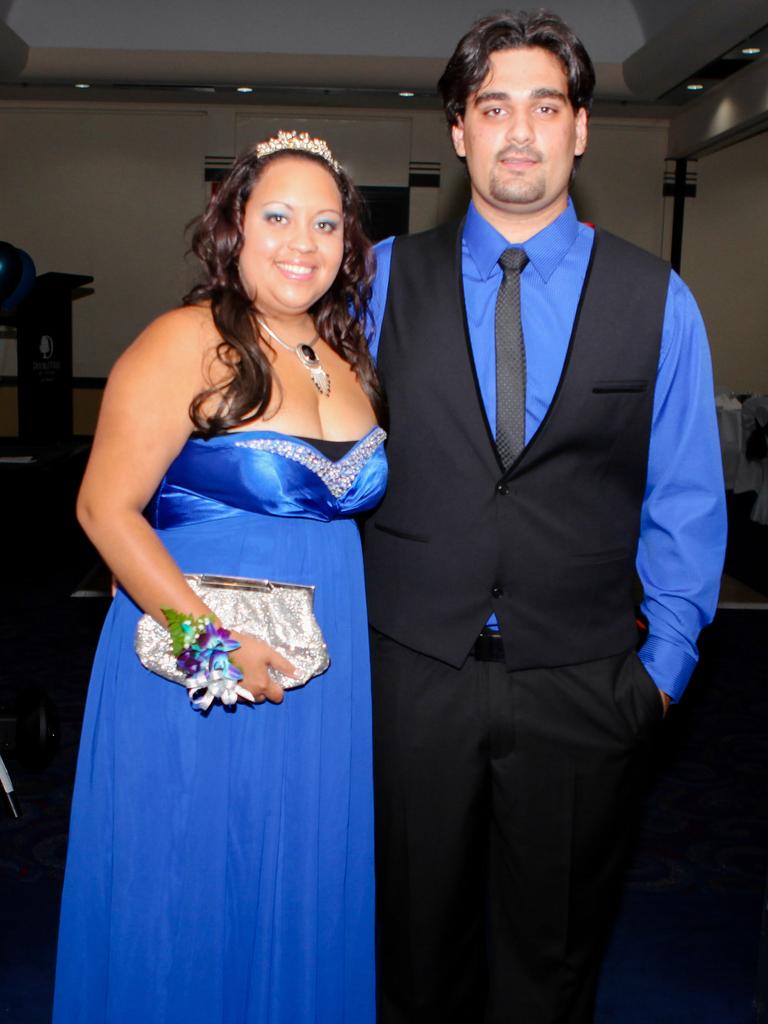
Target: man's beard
(509, 189)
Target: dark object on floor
(9, 793)
(46, 552)
(757, 444)
(29, 730)
(746, 558)
(43, 323)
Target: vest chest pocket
(619, 387)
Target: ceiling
(612, 29)
(357, 52)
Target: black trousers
(504, 806)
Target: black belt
(489, 646)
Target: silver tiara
(298, 142)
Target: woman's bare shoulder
(189, 328)
(180, 342)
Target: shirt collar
(545, 250)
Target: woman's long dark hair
(339, 314)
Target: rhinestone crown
(298, 141)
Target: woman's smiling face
(293, 236)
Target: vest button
(501, 488)
(497, 591)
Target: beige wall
(374, 149)
(618, 185)
(107, 190)
(725, 264)
(619, 182)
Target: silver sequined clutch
(280, 614)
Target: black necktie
(510, 360)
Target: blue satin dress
(220, 866)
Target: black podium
(44, 342)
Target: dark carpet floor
(687, 940)
(686, 944)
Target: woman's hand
(253, 658)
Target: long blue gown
(220, 865)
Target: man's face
(520, 135)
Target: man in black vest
(551, 429)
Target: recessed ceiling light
(407, 95)
(751, 51)
(694, 87)
(82, 85)
(244, 88)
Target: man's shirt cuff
(668, 666)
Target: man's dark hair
(508, 30)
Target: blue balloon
(26, 281)
(10, 270)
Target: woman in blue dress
(220, 864)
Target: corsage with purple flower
(202, 650)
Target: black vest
(550, 545)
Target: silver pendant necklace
(307, 357)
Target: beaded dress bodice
(269, 473)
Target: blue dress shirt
(683, 524)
